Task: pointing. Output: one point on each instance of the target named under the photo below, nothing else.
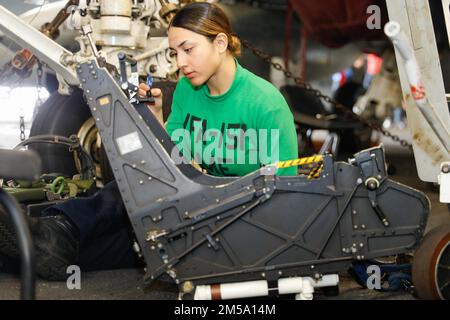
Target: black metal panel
(208, 229)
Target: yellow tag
(103, 101)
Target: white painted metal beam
(43, 47)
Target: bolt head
(187, 287)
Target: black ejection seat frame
(205, 229)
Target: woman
(234, 111)
(234, 122)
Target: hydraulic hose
(87, 163)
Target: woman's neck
(222, 80)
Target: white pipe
(303, 286)
(393, 31)
(163, 45)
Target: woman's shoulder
(263, 91)
(257, 81)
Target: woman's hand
(155, 108)
(156, 93)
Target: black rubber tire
(426, 260)
(60, 115)
(64, 115)
(49, 267)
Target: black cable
(25, 245)
(87, 163)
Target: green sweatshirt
(234, 133)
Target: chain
(305, 85)
(39, 84)
(22, 128)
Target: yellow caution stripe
(299, 162)
(315, 172)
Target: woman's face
(197, 57)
